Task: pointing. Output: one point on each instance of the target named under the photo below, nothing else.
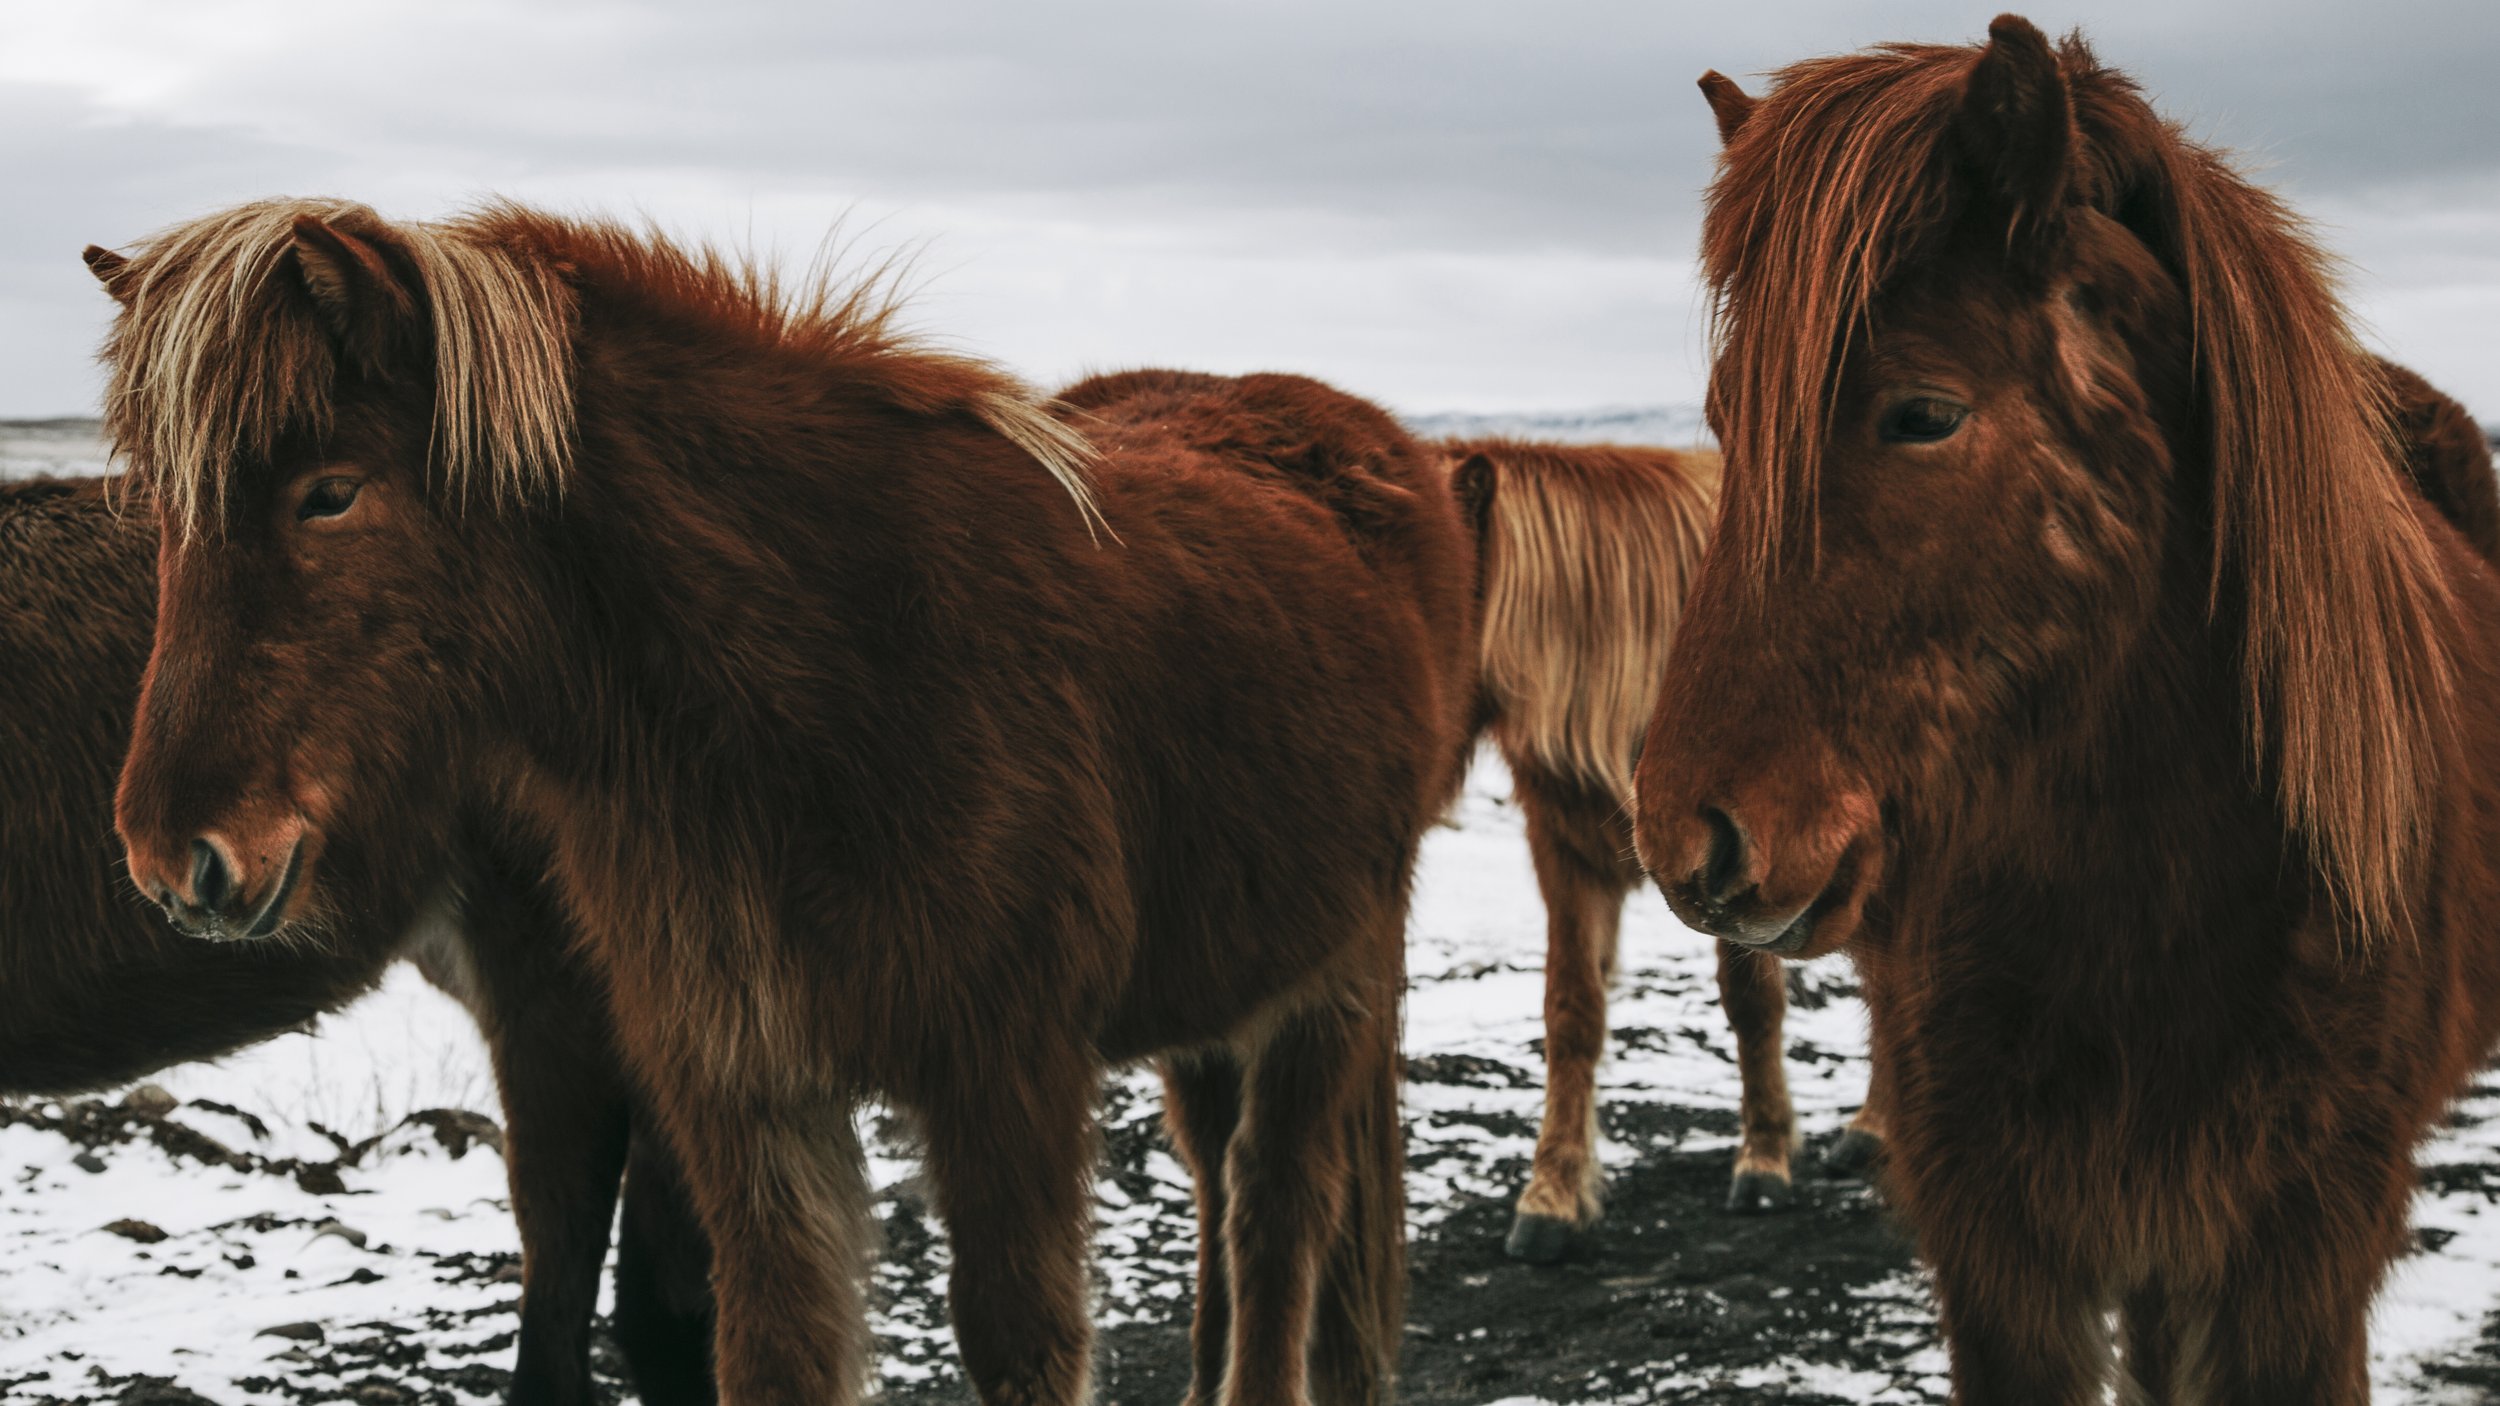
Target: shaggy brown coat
(869, 762)
(2076, 652)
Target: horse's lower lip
(1744, 925)
(1792, 938)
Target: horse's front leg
(1858, 1147)
(781, 1185)
(1753, 991)
(2288, 1323)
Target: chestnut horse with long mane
(2074, 650)
(888, 741)
(96, 990)
(1587, 551)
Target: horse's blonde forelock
(220, 353)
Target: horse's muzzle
(218, 903)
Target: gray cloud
(1242, 152)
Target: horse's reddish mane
(1847, 174)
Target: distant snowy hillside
(1675, 426)
(31, 447)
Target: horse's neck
(2141, 830)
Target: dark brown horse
(871, 761)
(1587, 552)
(2076, 651)
(96, 989)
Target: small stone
(458, 1129)
(150, 1101)
(295, 1332)
(158, 1391)
(320, 1180)
(87, 1162)
(380, 1394)
(137, 1230)
(343, 1231)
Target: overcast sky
(1448, 205)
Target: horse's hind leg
(1011, 1156)
(1360, 1322)
(1753, 990)
(1292, 1175)
(663, 1282)
(565, 1119)
(1580, 842)
(1202, 1107)
(2154, 1350)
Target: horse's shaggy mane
(1588, 553)
(1846, 174)
(220, 352)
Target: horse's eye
(328, 498)
(1922, 421)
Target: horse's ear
(108, 268)
(1476, 479)
(360, 298)
(2017, 122)
(1729, 103)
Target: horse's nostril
(1724, 869)
(211, 882)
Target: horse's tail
(1587, 552)
(1362, 1316)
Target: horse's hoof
(1540, 1239)
(1753, 1193)
(1853, 1154)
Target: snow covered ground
(321, 1218)
(272, 1284)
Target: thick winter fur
(1587, 551)
(2115, 728)
(867, 770)
(96, 989)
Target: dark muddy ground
(1673, 1300)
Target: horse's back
(1283, 492)
(1290, 431)
(1287, 630)
(2446, 456)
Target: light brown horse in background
(1587, 552)
(886, 740)
(2078, 650)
